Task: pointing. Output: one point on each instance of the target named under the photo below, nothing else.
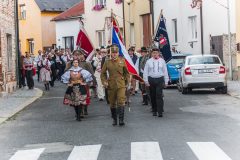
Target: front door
(146, 30)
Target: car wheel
(224, 90)
(184, 90)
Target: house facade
(8, 55)
(97, 19)
(238, 33)
(36, 30)
(138, 23)
(68, 25)
(184, 26)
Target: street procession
(119, 80)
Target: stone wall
(8, 63)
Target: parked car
(173, 67)
(202, 71)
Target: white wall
(65, 29)
(214, 21)
(95, 20)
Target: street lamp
(129, 14)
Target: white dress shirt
(155, 68)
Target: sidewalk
(234, 88)
(17, 101)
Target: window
(68, 42)
(22, 12)
(175, 32)
(30, 46)
(9, 51)
(203, 60)
(101, 38)
(132, 34)
(193, 27)
(100, 2)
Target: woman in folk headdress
(45, 72)
(77, 79)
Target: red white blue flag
(123, 53)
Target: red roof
(76, 11)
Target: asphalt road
(200, 125)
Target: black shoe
(100, 99)
(79, 111)
(160, 115)
(85, 110)
(114, 116)
(121, 116)
(145, 100)
(154, 113)
(45, 87)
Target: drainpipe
(17, 43)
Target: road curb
(235, 95)
(39, 94)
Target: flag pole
(111, 33)
(158, 23)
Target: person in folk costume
(77, 79)
(28, 68)
(115, 77)
(140, 66)
(53, 69)
(37, 60)
(156, 78)
(45, 72)
(80, 55)
(105, 58)
(97, 64)
(134, 58)
(87, 66)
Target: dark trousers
(29, 76)
(60, 68)
(38, 72)
(156, 94)
(53, 77)
(22, 78)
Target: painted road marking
(32, 154)
(89, 152)
(208, 151)
(146, 151)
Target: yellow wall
(137, 8)
(48, 29)
(37, 26)
(31, 27)
(238, 28)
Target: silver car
(202, 71)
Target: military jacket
(115, 73)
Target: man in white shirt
(38, 59)
(155, 76)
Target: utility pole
(229, 41)
(17, 44)
(202, 31)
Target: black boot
(76, 111)
(48, 86)
(121, 116)
(45, 86)
(114, 116)
(85, 110)
(79, 111)
(145, 100)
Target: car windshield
(177, 60)
(203, 60)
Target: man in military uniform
(118, 79)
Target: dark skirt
(76, 95)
